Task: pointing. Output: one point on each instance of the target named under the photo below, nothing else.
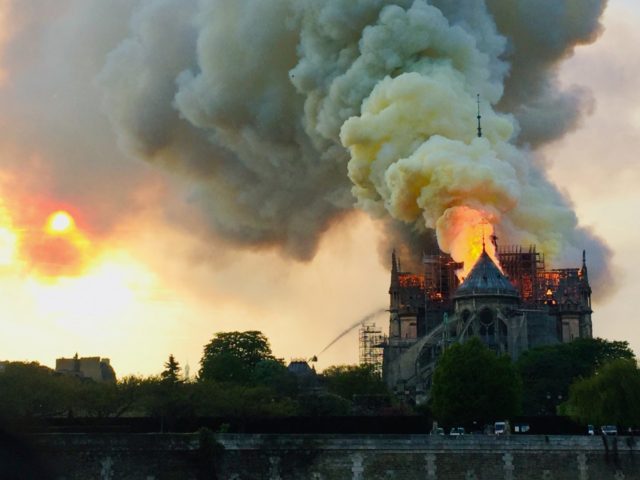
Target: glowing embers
(411, 280)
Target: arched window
(487, 324)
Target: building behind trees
(511, 308)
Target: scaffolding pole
(371, 342)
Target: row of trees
(239, 376)
(590, 380)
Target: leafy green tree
(547, 372)
(272, 373)
(232, 356)
(239, 400)
(328, 404)
(472, 383)
(32, 390)
(351, 380)
(166, 401)
(609, 397)
(106, 399)
(171, 372)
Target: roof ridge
(486, 278)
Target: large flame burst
(465, 233)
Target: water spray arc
(363, 320)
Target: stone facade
(511, 309)
(338, 457)
(96, 368)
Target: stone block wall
(337, 457)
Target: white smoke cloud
(255, 103)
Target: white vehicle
(609, 430)
(456, 431)
(501, 428)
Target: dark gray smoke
(249, 102)
(248, 99)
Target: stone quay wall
(336, 457)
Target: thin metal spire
(479, 118)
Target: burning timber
(511, 308)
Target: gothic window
(487, 324)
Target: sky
(161, 249)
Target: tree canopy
(233, 356)
(547, 372)
(350, 380)
(610, 396)
(171, 372)
(473, 384)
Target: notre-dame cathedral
(511, 308)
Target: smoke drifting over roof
(284, 116)
(256, 101)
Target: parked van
(609, 430)
(501, 428)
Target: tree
(610, 396)
(238, 400)
(32, 390)
(272, 373)
(547, 372)
(472, 383)
(232, 356)
(171, 372)
(350, 380)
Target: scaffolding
(525, 268)
(371, 346)
(440, 279)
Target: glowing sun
(59, 222)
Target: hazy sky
(140, 274)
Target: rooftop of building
(486, 279)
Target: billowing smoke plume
(282, 112)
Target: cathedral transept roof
(486, 279)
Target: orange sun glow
(53, 245)
(59, 222)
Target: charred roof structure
(511, 308)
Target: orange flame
(464, 232)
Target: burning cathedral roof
(485, 278)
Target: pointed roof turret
(486, 279)
(585, 276)
(394, 262)
(479, 118)
(394, 269)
